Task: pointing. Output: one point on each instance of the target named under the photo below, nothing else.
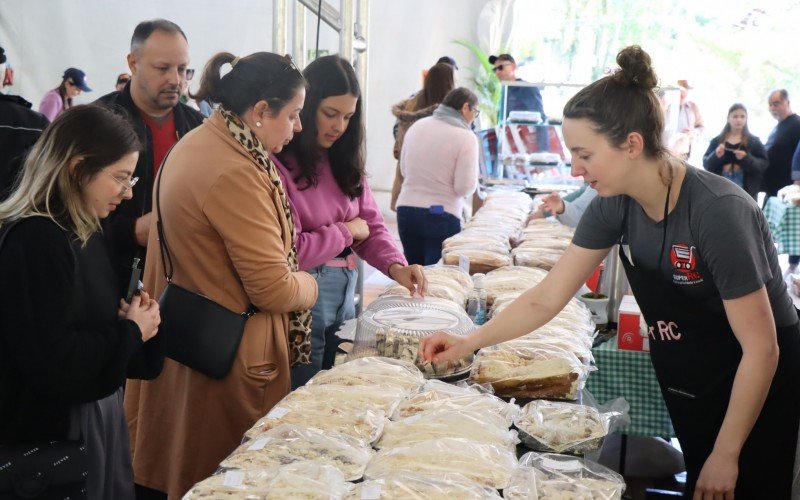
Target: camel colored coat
(229, 241)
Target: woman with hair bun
(697, 251)
(231, 238)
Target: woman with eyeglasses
(67, 342)
(58, 100)
(439, 162)
(334, 211)
(231, 238)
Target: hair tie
(234, 62)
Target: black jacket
(19, 129)
(753, 165)
(61, 342)
(780, 146)
(119, 226)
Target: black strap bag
(198, 332)
(53, 469)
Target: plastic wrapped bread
(394, 344)
(467, 238)
(287, 444)
(437, 395)
(554, 477)
(414, 487)
(375, 371)
(559, 427)
(510, 281)
(361, 424)
(482, 463)
(445, 282)
(375, 398)
(431, 425)
(545, 372)
(306, 480)
(480, 260)
(536, 257)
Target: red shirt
(164, 136)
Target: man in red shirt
(158, 63)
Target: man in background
(519, 98)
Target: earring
(258, 124)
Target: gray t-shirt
(718, 242)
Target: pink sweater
(52, 104)
(319, 216)
(439, 162)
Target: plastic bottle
(476, 303)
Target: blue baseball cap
(78, 78)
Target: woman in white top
(439, 163)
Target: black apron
(695, 356)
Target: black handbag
(198, 332)
(53, 470)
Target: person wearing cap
(519, 98)
(122, 80)
(56, 101)
(448, 60)
(158, 61)
(690, 124)
(20, 127)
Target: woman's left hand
(410, 277)
(717, 478)
(739, 154)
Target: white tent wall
(44, 37)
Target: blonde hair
(93, 136)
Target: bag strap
(166, 257)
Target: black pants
(422, 233)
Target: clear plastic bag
(511, 281)
(530, 372)
(363, 397)
(558, 427)
(377, 371)
(480, 260)
(437, 395)
(361, 424)
(549, 476)
(414, 487)
(475, 239)
(306, 480)
(488, 465)
(445, 282)
(476, 426)
(536, 257)
(288, 443)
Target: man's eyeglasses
(477, 112)
(126, 185)
(499, 67)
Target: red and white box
(631, 327)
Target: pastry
(561, 427)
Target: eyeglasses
(189, 74)
(499, 67)
(126, 186)
(477, 112)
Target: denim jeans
(422, 233)
(335, 305)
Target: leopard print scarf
(299, 321)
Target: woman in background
(736, 154)
(334, 212)
(58, 100)
(439, 81)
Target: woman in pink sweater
(439, 162)
(323, 173)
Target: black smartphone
(135, 284)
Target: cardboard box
(631, 327)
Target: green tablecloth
(630, 374)
(784, 222)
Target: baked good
(482, 463)
(366, 397)
(361, 424)
(529, 372)
(480, 261)
(481, 427)
(551, 476)
(558, 427)
(413, 487)
(285, 444)
(437, 396)
(536, 257)
(393, 344)
(377, 371)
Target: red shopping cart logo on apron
(684, 263)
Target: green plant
(486, 83)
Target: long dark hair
(624, 102)
(62, 91)
(727, 128)
(438, 82)
(330, 76)
(262, 76)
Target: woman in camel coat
(230, 239)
